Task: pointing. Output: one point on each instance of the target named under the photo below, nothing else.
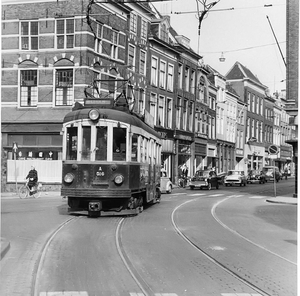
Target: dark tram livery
(111, 160)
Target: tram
(111, 160)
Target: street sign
(15, 147)
(273, 149)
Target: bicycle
(24, 191)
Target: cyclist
(32, 179)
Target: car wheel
(226, 184)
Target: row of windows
(162, 74)
(255, 129)
(255, 104)
(107, 142)
(65, 29)
(64, 92)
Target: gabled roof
(238, 71)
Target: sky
(240, 30)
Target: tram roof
(111, 114)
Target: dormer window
(164, 33)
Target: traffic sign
(273, 149)
(15, 147)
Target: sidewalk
(283, 200)
(12, 195)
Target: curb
(287, 201)
(5, 246)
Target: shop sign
(184, 148)
(239, 151)
(183, 137)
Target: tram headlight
(119, 179)
(94, 114)
(69, 178)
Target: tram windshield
(108, 143)
(72, 143)
(119, 143)
(101, 144)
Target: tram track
(211, 258)
(146, 290)
(37, 273)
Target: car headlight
(94, 114)
(69, 177)
(119, 179)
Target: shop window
(44, 141)
(29, 140)
(56, 140)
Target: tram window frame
(86, 147)
(70, 153)
(134, 147)
(120, 143)
(146, 150)
(141, 145)
(101, 152)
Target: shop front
(255, 157)
(225, 156)
(183, 148)
(168, 151)
(200, 154)
(240, 163)
(211, 156)
(38, 145)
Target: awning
(22, 128)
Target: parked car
(256, 176)
(269, 171)
(235, 177)
(204, 179)
(221, 177)
(166, 184)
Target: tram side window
(101, 143)
(134, 147)
(146, 150)
(119, 143)
(86, 143)
(72, 143)
(142, 149)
